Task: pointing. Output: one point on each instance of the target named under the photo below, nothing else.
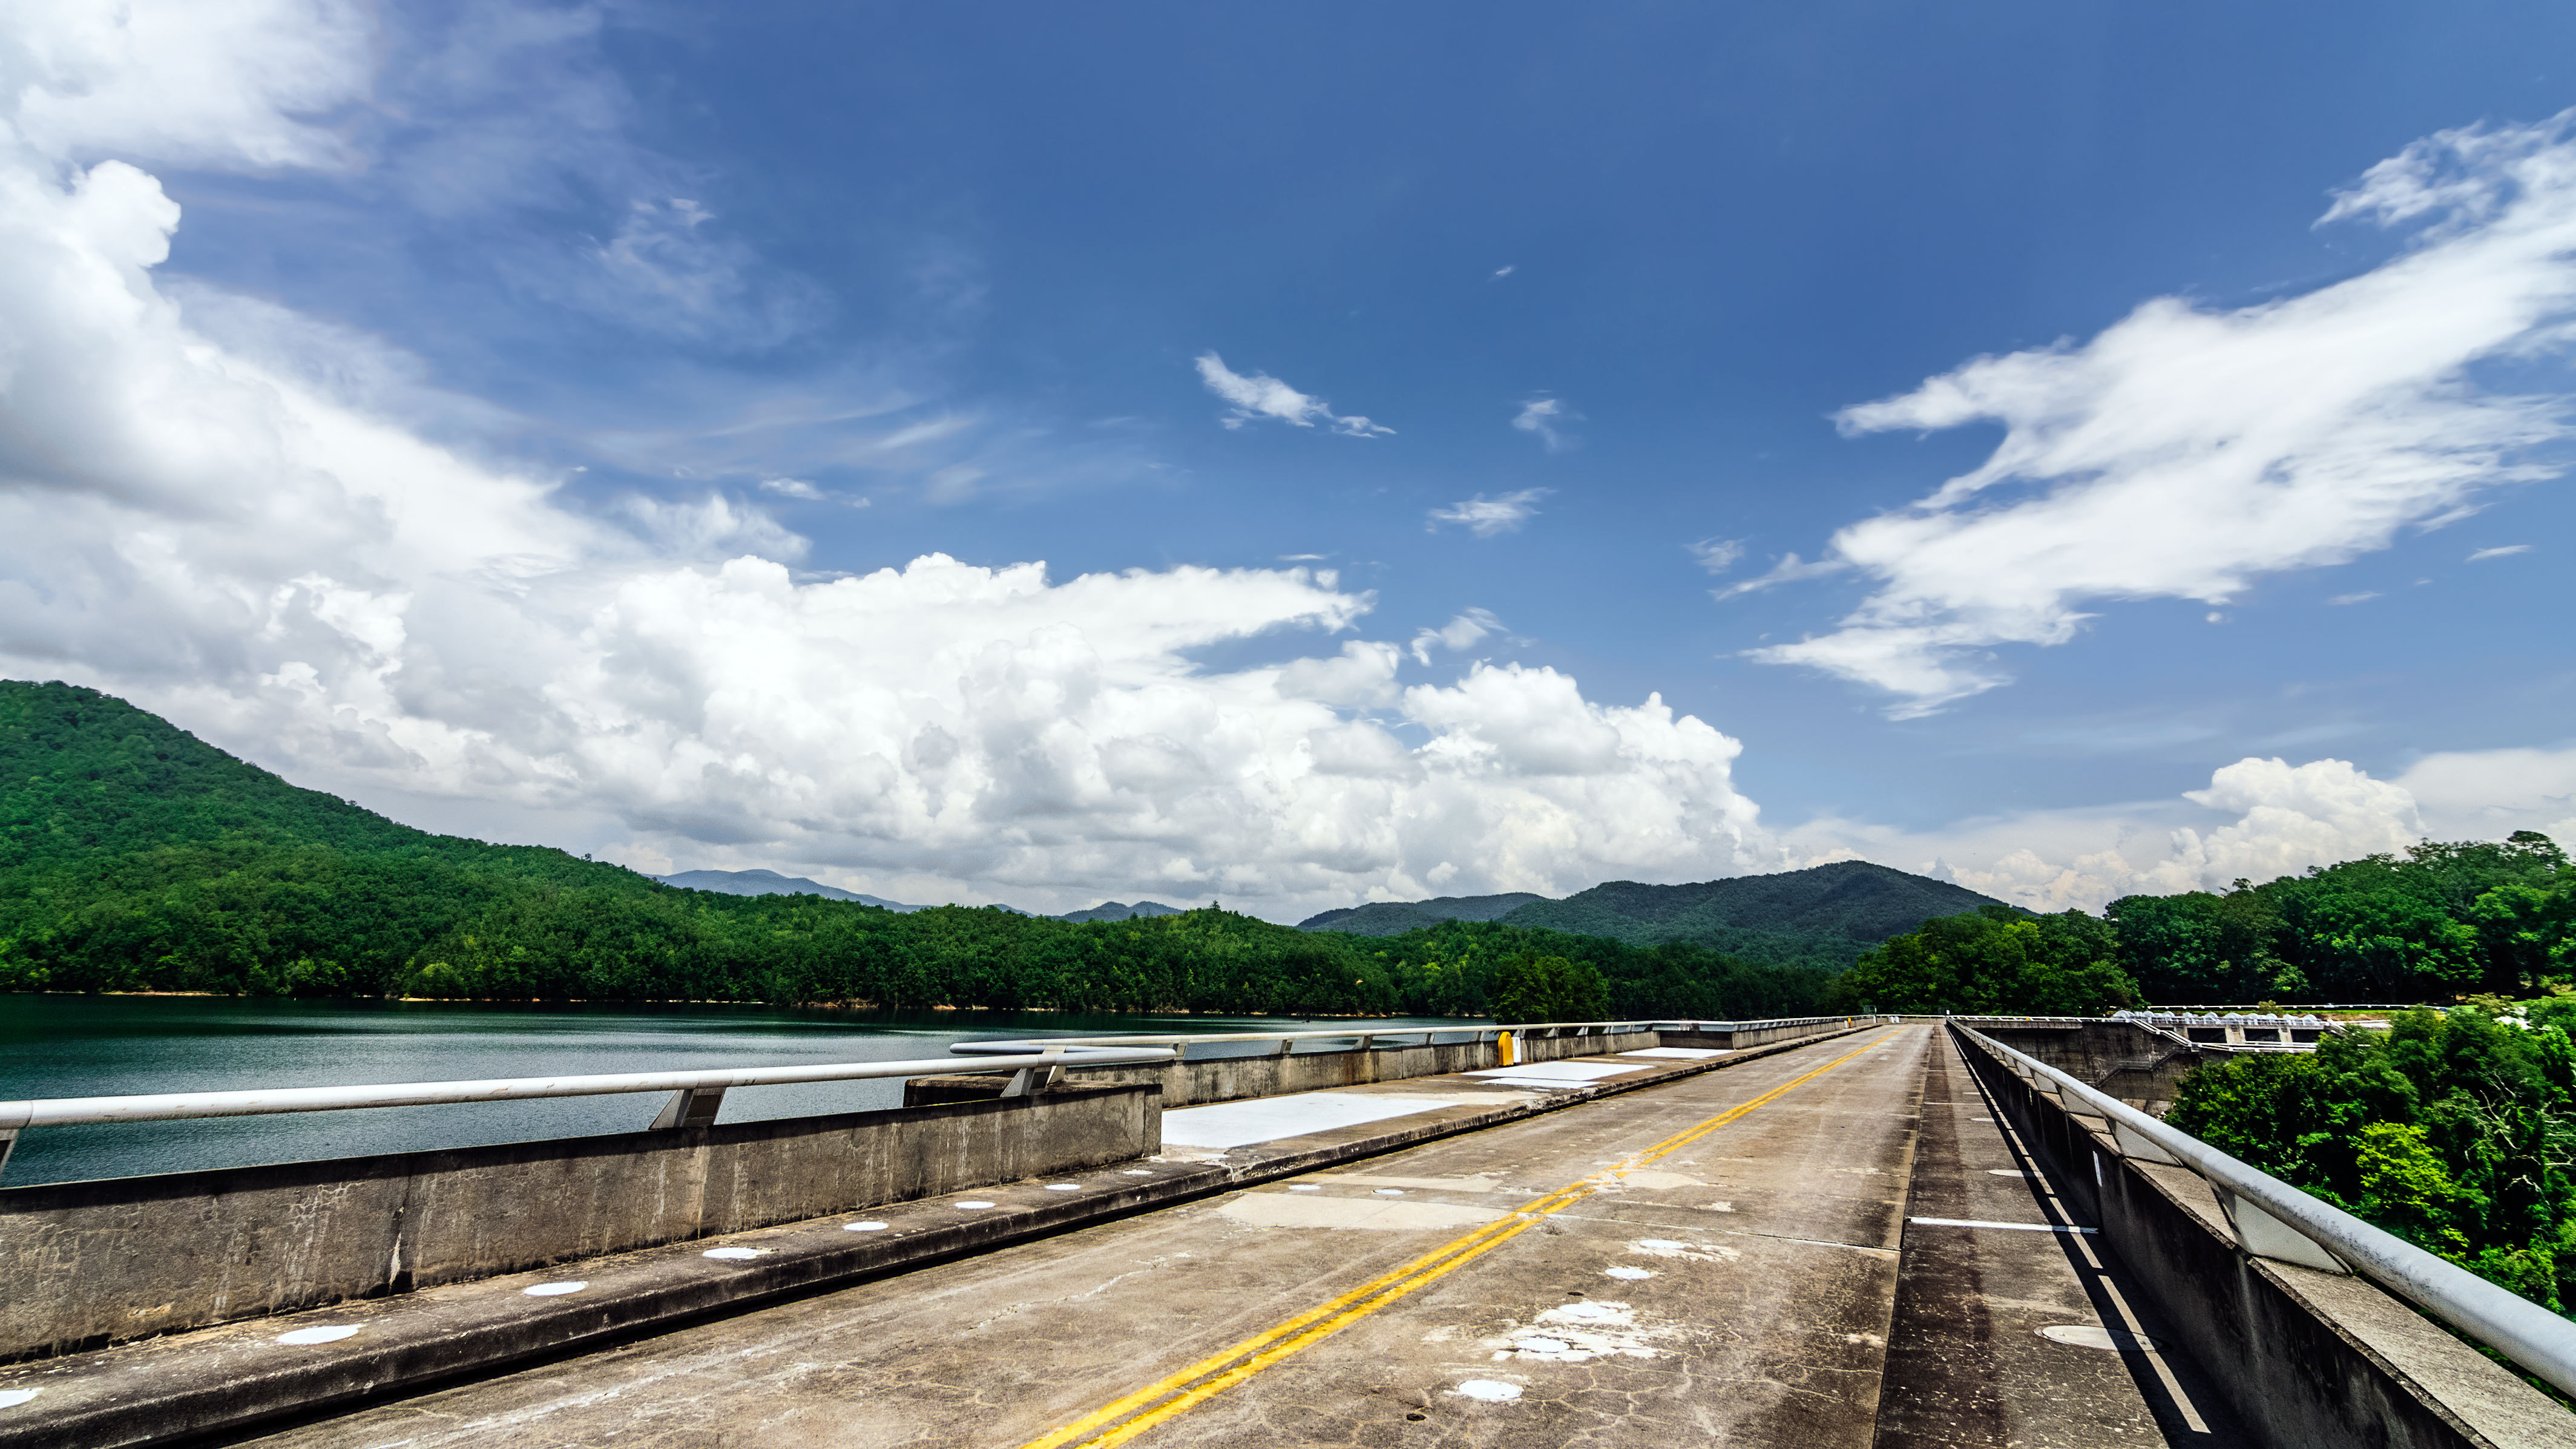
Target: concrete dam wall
(200, 1248)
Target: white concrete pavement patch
(1267, 1119)
(1677, 1054)
(1561, 1073)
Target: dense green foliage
(1450, 970)
(2445, 921)
(135, 857)
(2455, 1131)
(1824, 916)
(1995, 960)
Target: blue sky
(841, 286)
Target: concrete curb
(224, 1380)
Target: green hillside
(1824, 916)
(1393, 918)
(134, 856)
(86, 778)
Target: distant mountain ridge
(771, 883)
(1121, 911)
(1393, 918)
(1826, 914)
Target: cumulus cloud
(2508, 551)
(297, 577)
(1546, 417)
(792, 488)
(1485, 517)
(2286, 818)
(2186, 452)
(1263, 396)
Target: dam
(1847, 1231)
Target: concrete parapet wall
(2117, 1058)
(1738, 1038)
(1273, 1074)
(84, 1264)
(2307, 1358)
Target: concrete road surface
(1710, 1260)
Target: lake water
(92, 1046)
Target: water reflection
(85, 1046)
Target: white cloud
(1504, 271)
(1716, 555)
(1264, 396)
(262, 557)
(2488, 794)
(2259, 819)
(2363, 597)
(2285, 819)
(1458, 633)
(1485, 517)
(1546, 416)
(2186, 452)
(229, 84)
(2505, 552)
(792, 488)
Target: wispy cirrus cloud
(1716, 555)
(2186, 452)
(1546, 417)
(1463, 630)
(1486, 517)
(2508, 551)
(1263, 396)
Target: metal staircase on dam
(1863, 1231)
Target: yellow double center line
(1213, 1375)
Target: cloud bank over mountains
(282, 567)
(2188, 452)
(344, 600)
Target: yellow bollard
(1504, 1041)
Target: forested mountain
(1388, 918)
(135, 857)
(1823, 916)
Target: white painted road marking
(2019, 1227)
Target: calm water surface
(91, 1046)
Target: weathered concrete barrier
(1732, 1037)
(2306, 1357)
(1273, 1074)
(85, 1264)
(2117, 1058)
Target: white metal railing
(695, 1096)
(2272, 1219)
(1285, 1042)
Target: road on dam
(1834, 1245)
